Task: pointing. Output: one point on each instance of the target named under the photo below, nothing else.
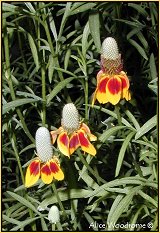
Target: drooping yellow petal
(46, 174)
(88, 132)
(85, 143)
(32, 173)
(114, 89)
(127, 95)
(53, 136)
(94, 97)
(63, 143)
(85, 128)
(125, 84)
(56, 170)
(73, 143)
(101, 90)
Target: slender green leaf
(122, 206)
(16, 103)
(50, 67)
(34, 51)
(111, 113)
(67, 58)
(139, 8)
(53, 27)
(142, 40)
(94, 26)
(44, 225)
(133, 119)
(153, 69)
(122, 152)
(110, 132)
(114, 207)
(23, 201)
(58, 88)
(148, 198)
(84, 39)
(133, 32)
(9, 7)
(11, 220)
(82, 8)
(139, 48)
(24, 223)
(150, 124)
(30, 7)
(134, 180)
(64, 195)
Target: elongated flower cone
(70, 118)
(43, 144)
(112, 81)
(110, 58)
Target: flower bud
(53, 215)
(43, 144)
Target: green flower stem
(20, 47)
(51, 47)
(118, 114)
(13, 141)
(43, 94)
(59, 200)
(9, 80)
(86, 99)
(53, 227)
(72, 183)
(99, 179)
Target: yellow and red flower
(112, 81)
(45, 165)
(73, 133)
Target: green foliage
(50, 56)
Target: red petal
(46, 174)
(114, 90)
(102, 85)
(54, 166)
(34, 168)
(74, 143)
(114, 85)
(85, 143)
(56, 170)
(46, 169)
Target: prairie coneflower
(45, 165)
(112, 81)
(72, 133)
